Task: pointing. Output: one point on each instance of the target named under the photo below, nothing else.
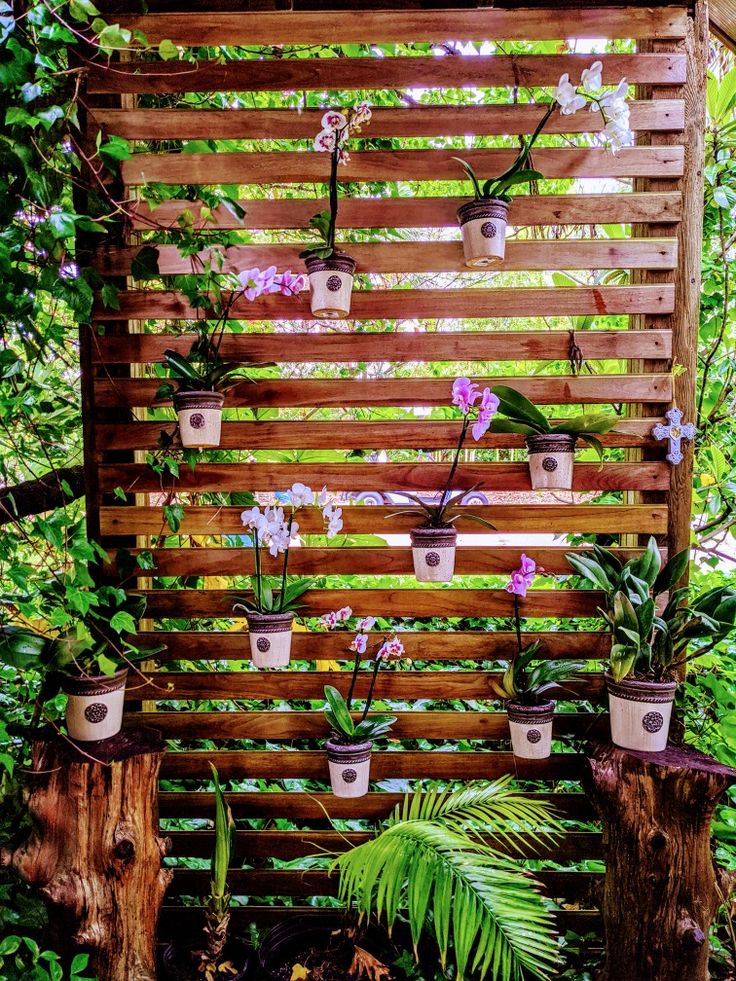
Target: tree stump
(662, 887)
(94, 851)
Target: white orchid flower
(592, 78)
(325, 140)
(300, 495)
(334, 120)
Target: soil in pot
(331, 285)
(483, 227)
(551, 461)
(531, 729)
(640, 713)
(433, 553)
(270, 639)
(177, 963)
(200, 418)
(94, 709)
(350, 767)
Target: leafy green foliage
(432, 859)
(528, 683)
(344, 729)
(266, 599)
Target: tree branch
(53, 490)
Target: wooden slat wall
(267, 727)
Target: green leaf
(518, 408)
(672, 572)
(145, 263)
(339, 711)
(167, 50)
(173, 516)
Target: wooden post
(662, 887)
(94, 853)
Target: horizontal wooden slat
(344, 348)
(336, 74)
(312, 882)
(469, 560)
(321, 806)
(409, 685)
(419, 645)
(354, 27)
(551, 518)
(388, 602)
(285, 845)
(291, 124)
(394, 165)
(347, 435)
(175, 919)
(285, 726)
(406, 257)
(414, 391)
(355, 477)
(286, 764)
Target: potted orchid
(350, 744)
(652, 625)
(483, 221)
(270, 611)
(433, 543)
(551, 448)
(331, 270)
(199, 379)
(525, 684)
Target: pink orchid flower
(289, 284)
(465, 394)
(486, 411)
(523, 577)
(391, 650)
(359, 644)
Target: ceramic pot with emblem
(640, 712)
(270, 639)
(531, 729)
(551, 460)
(350, 766)
(483, 226)
(331, 285)
(200, 418)
(94, 709)
(433, 553)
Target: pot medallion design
(196, 420)
(432, 559)
(96, 712)
(549, 464)
(652, 721)
(349, 775)
(263, 644)
(488, 229)
(333, 283)
(533, 736)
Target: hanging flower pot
(433, 553)
(94, 708)
(200, 418)
(331, 285)
(640, 713)
(350, 767)
(270, 639)
(483, 227)
(531, 729)
(551, 460)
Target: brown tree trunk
(662, 887)
(94, 851)
(53, 490)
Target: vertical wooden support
(94, 852)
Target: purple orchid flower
(486, 411)
(465, 394)
(523, 577)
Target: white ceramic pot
(200, 418)
(270, 639)
(350, 768)
(331, 285)
(531, 729)
(433, 553)
(551, 461)
(94, 710)
(483, 227)
(640, 713)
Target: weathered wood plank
(415, 391)
(394, 165)
(649, 475)
(337, 74)
(574, 846)
(366, 560)
(649, 519)
(407, 257)
(276, 726)
(351, 346)
(438, 646)
(408, 685)
(386, 602)
(398, 26)
(290, 124)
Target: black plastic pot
(176, 965)
(292, 937)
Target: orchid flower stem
(286, 562)
(456, 460)
(517, 618)
(356, 666)
(369, 699)
(259, 592)
(333, 192)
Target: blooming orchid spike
(465, 394)
(391, 650)
(523, 577)
(487, 409)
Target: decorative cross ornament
(675, 432)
